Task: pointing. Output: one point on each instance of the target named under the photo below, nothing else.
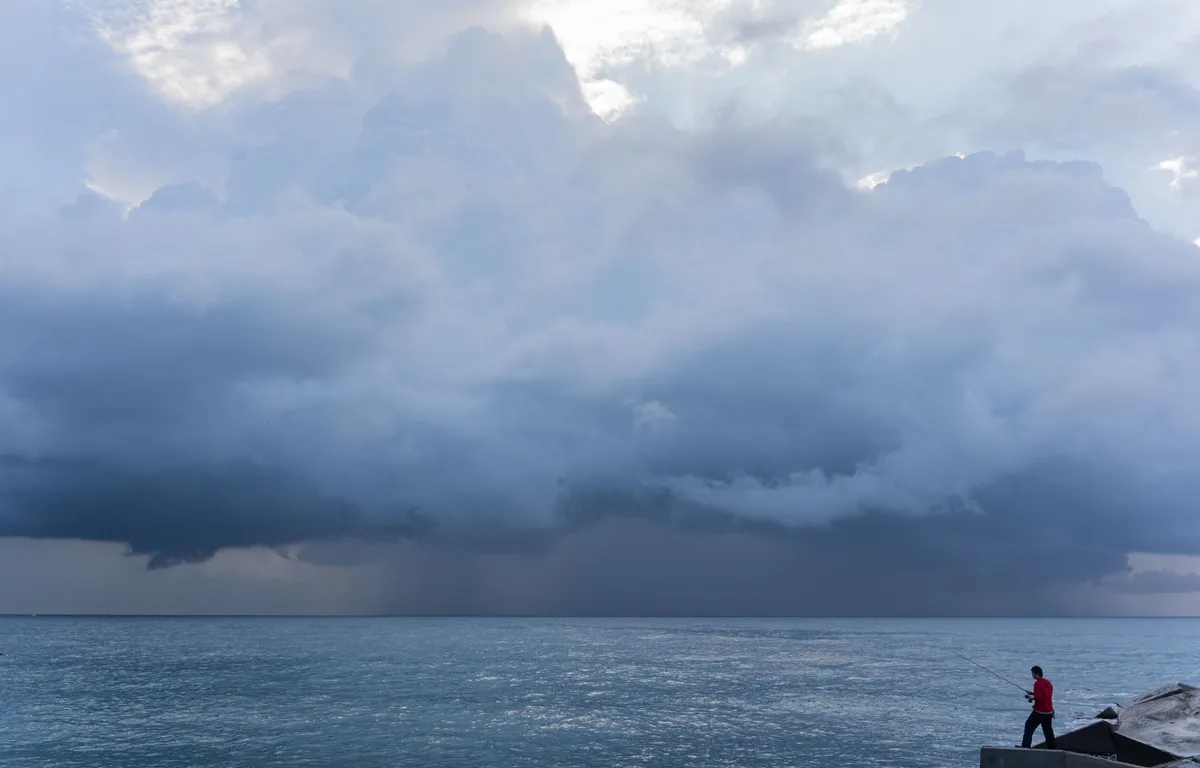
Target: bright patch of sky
(1183, 172)
(190, 51)
(199, 53)
(872, 180)
(185, 48)
(598, 37)
(855, 21)
(1141, 562)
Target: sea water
(766, 693)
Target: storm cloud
(432, 305)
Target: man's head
(1037, 672)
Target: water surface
(767, 693)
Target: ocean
(762, 693)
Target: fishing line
(1069, 700)
(1022, 688)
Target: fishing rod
(990, 672)
(1115, 705)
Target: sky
(647, 307)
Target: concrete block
(1001, 757)
(1014, 757)
(1094, 739)
(1135, 752)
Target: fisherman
(1042, 698)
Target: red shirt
(1043, 694)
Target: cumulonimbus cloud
(486, 307)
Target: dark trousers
(1031, 725)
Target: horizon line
(710, 617)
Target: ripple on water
(395, 692)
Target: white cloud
(608, 98)
(602, 38)
(1182, 170)
(652, 415)
(872, 180)
(683, 58)
(855, 21)
(200, 53)
(186, 49)
(624, 31)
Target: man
(1042, 698)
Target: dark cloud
(578, 367)
(100, 365)
(178, 516)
